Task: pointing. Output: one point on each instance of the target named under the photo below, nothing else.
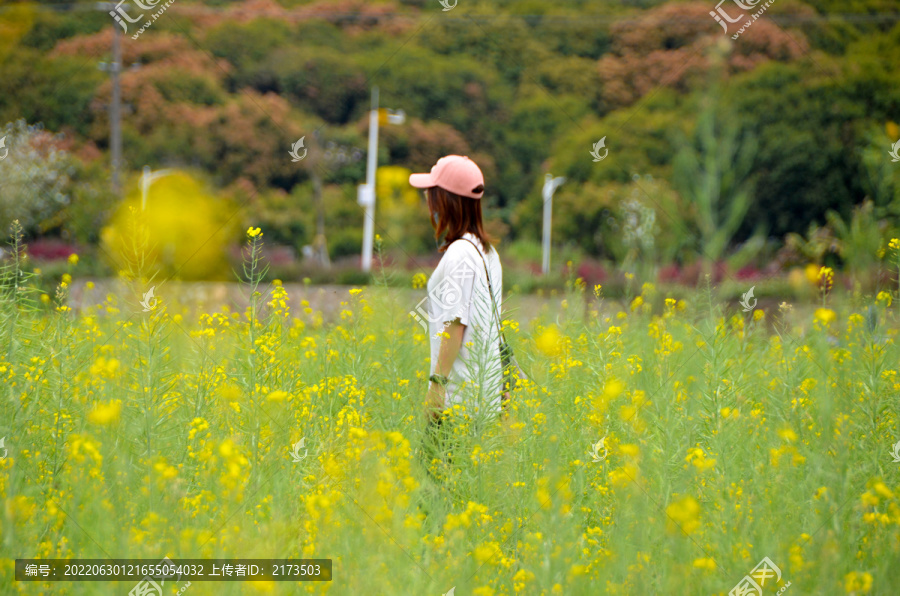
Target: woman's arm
(451, 342)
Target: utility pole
(367, 192)
(550, 186)
(115, 110)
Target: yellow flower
(683, 514)
(824, 316)
(355, 291)
(73, 259)
(705, 563)
(697, 457)
(277, 396)
(66, 278)
(855, 582)
(629, 450)
(612, 389)
(883, 490)
(597, 289)
(895, 243)
(548, 341)
(826, 278)
(253, 232)
(264, 587)
(45, 298)
(105, 413)
(419, 280)
(788, 435)
(636, 303)
(884, 299)
(89, 285)
(812, 274)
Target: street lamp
(366, 192)
(550, 186)
(335, 154)
(147, 178)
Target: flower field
(657, 447)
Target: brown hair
(456, 216)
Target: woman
(464, 320)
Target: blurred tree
(34, 175)
(878, 173)
(860, 238)
(246, 46)
(16, 20)
(712, 171)
(664, 47)
(323, 81)
(52, 26)
(401, 214)
(41, 97)
(808, 125)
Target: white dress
(458, 289)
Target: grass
(727, 437)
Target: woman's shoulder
(463, 247)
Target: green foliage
(321, 80)
(34, 178)
(55, 91)
(879, 175)
(92, 202)
(246, 44)
(860, 238)
(17, 294)
(522, 86)
(807, 125)
(52, 27)
(712, 173)
(180, 86)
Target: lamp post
(550, 186)
(147, 178)
(366, 192)
(335, 154)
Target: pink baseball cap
(456, 173)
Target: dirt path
(195, 297)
